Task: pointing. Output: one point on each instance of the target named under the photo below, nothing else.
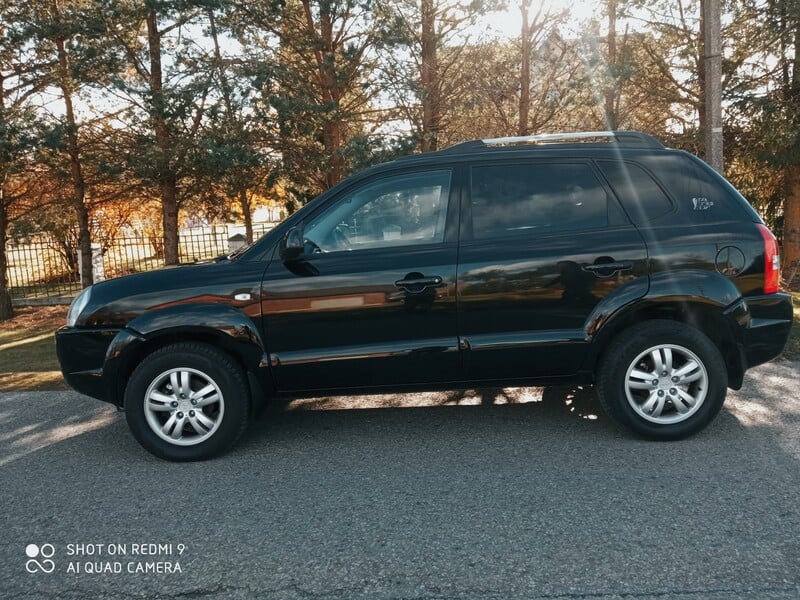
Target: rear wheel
(187, 401)
(662, 379)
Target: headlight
(77, 306)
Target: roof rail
(634, 139)
(627, 138)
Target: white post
(98, 272)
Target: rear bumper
(82, 355)
(766, 328)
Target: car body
(599, 257)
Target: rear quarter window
(700, 196)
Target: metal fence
(46, 267)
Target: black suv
(598, 257)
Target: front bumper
(82, 355)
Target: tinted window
(701, 197)
(639, 193)
(536, 198)
(402, 210)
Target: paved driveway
(542, 498)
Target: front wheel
(662, 379)
(187, 401)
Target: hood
(116, 302)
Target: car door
(371, 300)
(544, 244)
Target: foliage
(423, 72)
(202, 109)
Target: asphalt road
(541, 499)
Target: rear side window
(642, 197)
(699, 195)
(521, 199)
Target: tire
(662, 379)
(203, 418)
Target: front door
(371, 302)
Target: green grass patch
(29, 381)
(12, 335)
(35, 352)
(28, 361)
(28, 350)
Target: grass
(27, 349)
(28, 354)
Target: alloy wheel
(666, 384)
(184, 406)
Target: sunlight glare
(508, 23)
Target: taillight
(772, 261)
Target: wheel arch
(707, 317)
(220, 326)
(691, 391)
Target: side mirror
(292, 244)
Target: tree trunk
(167, 178)
(232, 121)
(525, 72)
(75, 167)
(332, 128)
(429, 78)
(791, 222)
(169, 218)
(324, 55)
(244, 202)
(84, 239)
(6, 310)
(332, 137)
(791, 202)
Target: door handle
(609, 268)
(417, 285)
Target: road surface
(344, 499)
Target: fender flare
(705, 299)
(219, 324)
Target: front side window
(401, 210)
(530, 199)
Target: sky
(509, 22)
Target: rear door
(543, 244)
(372, 302)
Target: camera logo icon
(39, 558)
